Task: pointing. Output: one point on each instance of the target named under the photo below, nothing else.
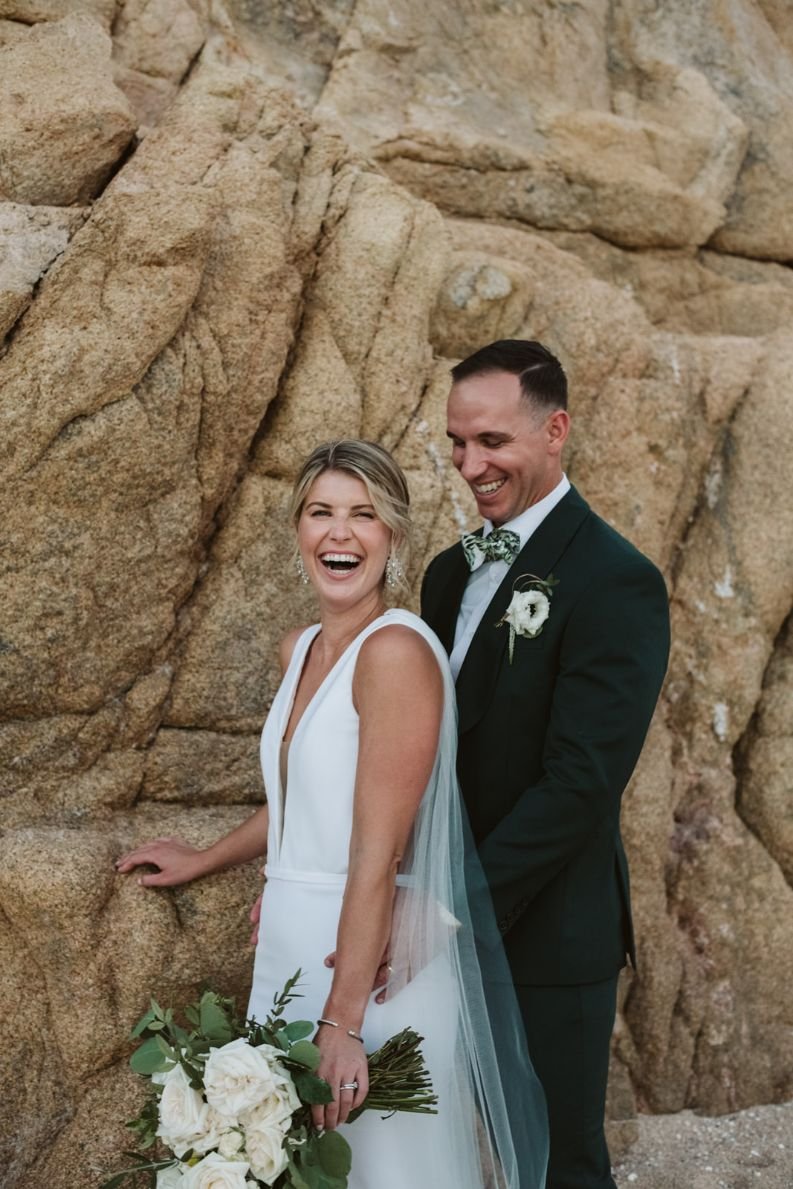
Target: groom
(551, 722)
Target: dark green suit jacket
(548, 742)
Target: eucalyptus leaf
(299, 1030)
(165, 1048)
(295, 1178)
(215, 1023)
(305, 1053)
(311, 1089)
(179, 1035)
(334, 1153)
(312, 1175)
(143, 1023)
(149, 1058)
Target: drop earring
(302, 573)
(394, 572)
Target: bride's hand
(178, 862)
(342, 1062)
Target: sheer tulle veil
(492, 1125)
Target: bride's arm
(398, 693)
(179, 863)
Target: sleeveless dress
(306, 871)
(451, 980)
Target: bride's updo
(383, 478)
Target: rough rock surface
(325, 205)
(63, 121)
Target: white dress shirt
(483, 583)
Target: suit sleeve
(612, 663)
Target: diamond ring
(348, 1086)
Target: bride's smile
(342, 541)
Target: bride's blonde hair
(383, 479)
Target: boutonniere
(529, 607)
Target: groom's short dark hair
(541, 375)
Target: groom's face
(508, 453)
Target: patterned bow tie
(501, 545)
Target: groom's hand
(381, 977)
(253, 917)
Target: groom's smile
(508, 452)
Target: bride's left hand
(342, 1062)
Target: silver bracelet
(349, 1031)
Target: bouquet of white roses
(232, 1101)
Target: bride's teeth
(334, 560)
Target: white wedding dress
(307, 855)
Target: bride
(370, 881)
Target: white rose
(264, 1143)
(216, 1126)
(231, 1142)
(170, 1178)
(213, 1172)
(236, 1077)
(184, 1116)
(282, 1103)
(528, 611)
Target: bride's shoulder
(400, 645)
(287, 645)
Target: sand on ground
(753, 1148)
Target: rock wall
(228, 233)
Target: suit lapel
(486, 652)
(442, 616)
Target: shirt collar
(531, 519)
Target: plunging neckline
(317, 628)
(302, 661)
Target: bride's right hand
(178, 862)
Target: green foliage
(298, 1030)
(322, 1162)
(311, 1089)
(334, 1154)
(216, 1019)
(303, 1052)
(398, 1081)
(142, 1168)
(149, 1058)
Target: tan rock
(766, 804)
(156, 357)
(749, 67)
(295, 45)
(160, 37)
(363, 351)
(203, 768)
(31, 238)
(89, 947)
(29, 12)
(706, 293)
(154, 43)
(550, 146)
(60, 140)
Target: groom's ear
(557, 427)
